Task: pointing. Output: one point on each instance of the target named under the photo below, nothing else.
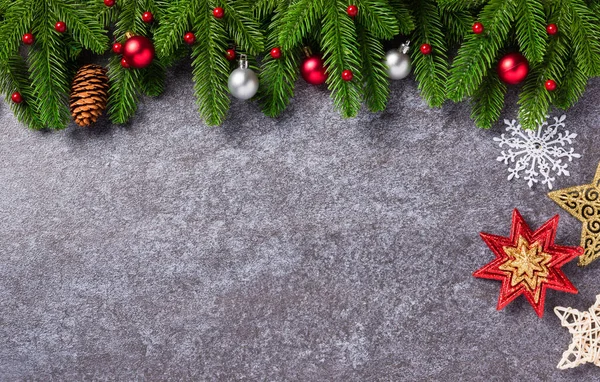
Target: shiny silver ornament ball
(243, 83)
(398, 64)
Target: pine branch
(123, 96)
(430, 70)
(376, 85)
(406, 22)
(478, 52)
(153, 79)
(377, 18)
(18, 21)
(299, 20)
(460, 5)
(210, 69)
(242, 27)
(584, 31)
(176, 22)
(263, 8)
(488, 101)
(82, 26)
(531, 31)
(456, 25)
(340, 53)
(572, 85)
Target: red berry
(218, 12)
(124, 63)
(109, 3)
(550, 85)
(117, 48)
(17, 97)
(478, 28)
(347, 75)
(189, 38)
(352, 10)
(28, 39)
(60, 27)
(147, 17)
(552, 29)
(230, 54)
(276, 53)
(425, 49)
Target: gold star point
(583, 202)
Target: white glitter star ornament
(537, 154)
(585, 328)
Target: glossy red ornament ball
(17, 97)
(313, 70)
(60, 27)
(552, 29)
(28, 39)
(147, 17)
(138, 51)
(347, 75)
(218, 12)
(478, 28)
(117, 48)
(189, 38)
(124, 63)
(352, 10)
(109, 3)
(550, 85)
(425, 49)
(230, 54)
(513, 68)
(276, 53)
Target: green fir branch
(153, 79)
(456, 25)
(573, 84)
(82, 26)
(242, 27)
(299, 20)
(123, 96)
(531, 29)
(584, 30)
(460, 5)
(376, 84)
(488, 101)
(176, 23)
(377, 18)
(406, 22)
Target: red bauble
(513, 68)
(117, 48)
(425, 49)
(230, 54)
(352, 10)
(124, 63)
(60, 27)
(17, 97)
(189, 38)
(478, 28)
(147, 17)
(313, 70)
(138, 51)
(552, 29)
(109, 3)
(347, 75)
(276, 53)
(550, 85)
(218, 12)
(28, 39)
(528, 262)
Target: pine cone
(89, 94)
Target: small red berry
(478, 28)
(147, 17)
(189, 38)
(28, 39)
(124, 63)
(276, 53)
(425, 49)
(218, 12)
(60, 27)
(347, 75)
(352, 10)
(552, 29)
(230, 54)
(17, 97)
(109, 3)
(117, 48)
(550, 85)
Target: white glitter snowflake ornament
(537, 154)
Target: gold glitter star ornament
(583, 202)
(585, 328)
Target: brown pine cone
(89, 94)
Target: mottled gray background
(305, 248)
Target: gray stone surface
(305, 248)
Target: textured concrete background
(306, 248)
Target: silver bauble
(243, 83)
(398, 64)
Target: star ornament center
(528, 262)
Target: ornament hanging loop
(243, 61)
(404, 48)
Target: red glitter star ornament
(528, 263)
